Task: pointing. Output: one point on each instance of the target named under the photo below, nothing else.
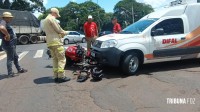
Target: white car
(74, 36)
(172, 33)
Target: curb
(2, 53)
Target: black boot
(22, 70)
(64, 79)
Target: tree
(91, 8)
(6, 4)
(107, 25)
(70, 16)
(129, 11)
(74, 15)
(23, 5)
(37, 5)
(1, 3)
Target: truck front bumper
(107, 56)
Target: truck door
(167, 37)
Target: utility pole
(133, 14)
(99, 24)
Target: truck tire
(23, 39)
(34, 40)
(131, 63)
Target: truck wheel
(83, 40)
(24, 39)
(34, 39)
(131, 63)
(66, 41)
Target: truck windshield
(138, 27)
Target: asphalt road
(35, 91)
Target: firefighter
(54, 33)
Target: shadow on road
(44, 80)
(149, 69)
(49, 66)
(3, 76)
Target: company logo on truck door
(169, 41)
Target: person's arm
(119, 28)
(84, 28)
(97, 30)
(5, 32)
(57, 27)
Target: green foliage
(23, 5)
(1, 3)
(44, 14)
(125, 9)
(74, 15)
(6, 4)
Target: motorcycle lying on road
(76, 55)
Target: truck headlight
(109, 43)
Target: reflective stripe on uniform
(54, 43)
(55, 70)
(60, 70)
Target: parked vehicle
(172, 33)
(26, 26)
(74, 36)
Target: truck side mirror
(157, 32)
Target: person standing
(9, 40)
(91, 32)
(117, 27)
(54, 33)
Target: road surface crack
(197, 91)
(160, 80)
(140, 108)
(113, 81)
(93, 99)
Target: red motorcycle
(75, 54)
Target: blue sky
(108, 5)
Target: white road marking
(39, 54)
(3, 56)
(22, 55)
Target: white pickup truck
(172, 33)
